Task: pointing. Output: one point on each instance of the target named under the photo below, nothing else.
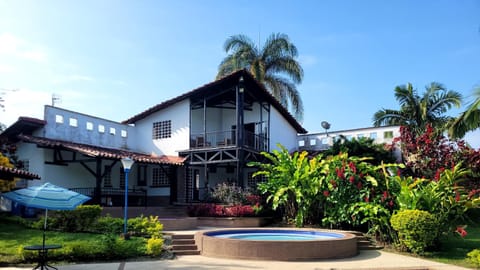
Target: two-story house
(181, 147)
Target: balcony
(220, 139)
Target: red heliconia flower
(367, 199)
(351, 179)
(340, 173)
(352, 167)
(390, 203)
(457, 196)
(359, 185)
(326, 193)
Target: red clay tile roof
(227, 81)
(9, 173)
(25, 125)
(102, 152)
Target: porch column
(240, 130)
(98, 178)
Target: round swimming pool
(277, 244)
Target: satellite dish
(326, 125)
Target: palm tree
(469, 120)
(274, 65)
(417, 111)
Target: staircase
(364, 242)
(184, 244)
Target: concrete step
(177, 242)
(187, 252)
(182, 236)
(183, 247)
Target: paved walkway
(370, 259)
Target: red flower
(352, 167)
(352, 179)
(457, 196)
(461, 231)
(367, 199)
(390, 203)
(326, 193)
(359, 185)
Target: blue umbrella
(48, 197)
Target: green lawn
(75, 246)
(454, 249)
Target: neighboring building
(181, 147)
(324, 140)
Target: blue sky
(114, 59)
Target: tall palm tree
(469, 120)
(274, 65)
(417, 111)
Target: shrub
(417, 229)
(144, 226)
(215, 210)
(154, 246)
(107, 225)
(474, 257)
(79, 220)
(229, 193)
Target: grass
(454, 249)
(76, 247)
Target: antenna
(56, 99)
(326, 126)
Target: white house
(181, 147)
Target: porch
(116, 196)
(227, 138)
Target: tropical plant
(417, 111)
(468, 120)
(362, 147)
(274, 65)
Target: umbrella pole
(44, 228)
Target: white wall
(179, 114)
(281, 132)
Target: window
(361, 135)
(313, 142)
(73, 122)
(123, 133)
(301, 143)
(254, 181)
(112, 131)
(59, 119)
(348, 137)
(122, 178)
(388, 134)
(325, 140)
(162, 130)
(160, 177)
(89, 126)
(373, 135)
(101, 128)
(107, 178)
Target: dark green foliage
(78, 220)
(362, 147)
(417, 229)
(108, 225)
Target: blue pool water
(275, 235)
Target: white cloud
(37, 56)
(6, 68)
(14, 46)
(24, 102)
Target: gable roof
(102, 152)
(225, 82)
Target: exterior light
(127, 164)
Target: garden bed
(233, 222)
